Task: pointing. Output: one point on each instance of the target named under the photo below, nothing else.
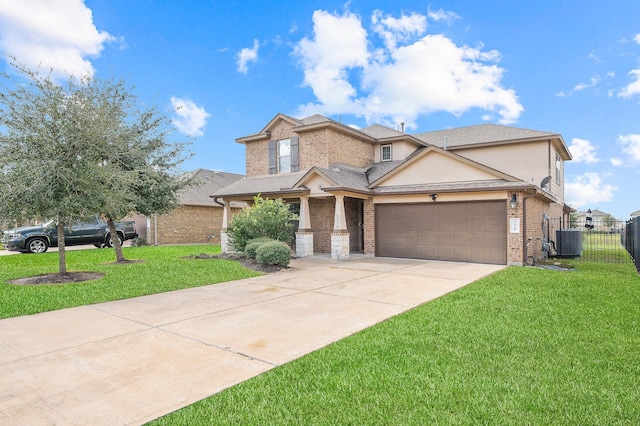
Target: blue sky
(223, 69)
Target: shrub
(139, 242)
(265, 218)
(273, 253)
(252, 246)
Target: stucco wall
(531, 162)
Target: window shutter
(295, 164)
(272, 157)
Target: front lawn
(523, 346)
(160, 269)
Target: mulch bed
(78, 277)
(69, 277)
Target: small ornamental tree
(265, 218)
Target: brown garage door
(463, 232)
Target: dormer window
(284, 156)
(385, 153)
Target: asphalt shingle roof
(264, 184)
(377, 131)
(206, 183)
(347, 177)
(483, 133)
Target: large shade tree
(82, 147)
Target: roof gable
(435, 165)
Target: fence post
(636, 242)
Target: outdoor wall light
(514, 201)
(433, 196)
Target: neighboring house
(198, 219)
(473, 194)
(601, 221)
(635, 214)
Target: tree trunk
(62, 253)
(115, 240)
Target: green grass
(604, 247)
(162, 269)
(523, 346)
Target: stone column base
(225, 243)
(340, 246)
(304, 244)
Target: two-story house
(472, 194)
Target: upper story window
(385, 153)
(284, 156)
(558, 167)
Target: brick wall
(347, 149)
(188, 225)
(536, 207)
(319, 148)
(257, 157)
(369, 227)
(515, 253)
(314, 149)
(321, 212)
(257, 153)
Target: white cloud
(616, 162)
(246, 56)
(637, 38)
(592, 82)
(393, 30)
(442, 15)
(631, 145)
(595, 57)
(634, 87)
(189, 119)
(583, 151)
(409, 75)
(57, 36)
(588, 189)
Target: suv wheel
(110, 241)
(37, 245)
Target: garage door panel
(467, 232)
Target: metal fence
(595, 240)
(631, 240)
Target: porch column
(340, 236)
(304, 236)
(225, 243)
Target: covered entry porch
(328, 223)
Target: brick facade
(369, 226)
(320, 148)
(321, 211)
(347, 149)
(188, 225)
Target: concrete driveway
(130, 361)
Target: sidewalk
(130, 361)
